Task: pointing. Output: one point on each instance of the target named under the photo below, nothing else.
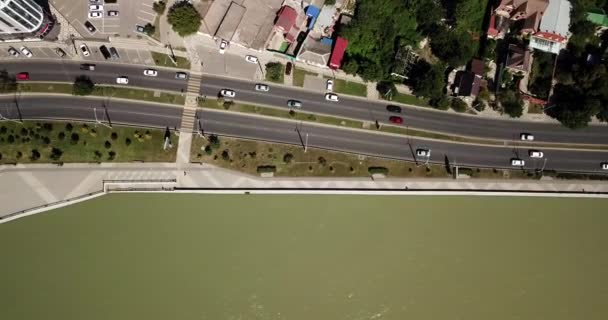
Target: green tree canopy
(573, 108)
(428, 80)
(455, 46)
(184, 18)
(511, 103)
(83, 86)
(7, 82)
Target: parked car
(395, 119)
(181, 75)
(605, 166)
(294, 104)
(288, 67)
(26, 52)
(60, 52)
(517, 162)
(87, 66)
(329, 85)
(228, 93)
(95, 7)
(331, 97)
(535, 154)
(114, 53)
(85, 50)
(223, 46)
(526, 137)
(393, 108)
(13, 52)
(150, 73)
(105, 52)
(423, 153)
(262, 87)
(95, 14)
(122, 80)
(140, 29)
(23, 76)
(112, 13)
(90, 26)
(251, 59)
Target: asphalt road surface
(421, 118)
(246, 126)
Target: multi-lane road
(240, 125)
(350, 107)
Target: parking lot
(130, 14)
(131, 56)
(37, 52)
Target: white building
(20, 16)
(553, 33)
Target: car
(604, 165)
(104, 52)
(526, 137)
(122, 80)
(535, 154)
(228, 93)
(23, 76)
(87, 66)
(26, 52)
(60, 52)
(112, 13)
(252, 59)
(331, 97)
(288, 67)
(181, 75)
(393, 108)
(114, 53)
(262, 87)
(95, 14)
(150, 73)
(395, 119)
(423, 153)
(90, 26)
(95, 1)
(223, 46)
(517, 162)
(95, 7)
(329, 85)
(13, 52)
(294, 104)
(85, 50)
(140, 29)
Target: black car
(87, 66)
(90, 27)
(288, 68)
(105, 52)
(60, 52)
(392, 108)
(114, 53)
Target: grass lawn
(34, 142)
(118, 92)
(409, 99)
(164, 60)
(247, 155)
(350, 87)
(298, 76)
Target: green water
(308, 258)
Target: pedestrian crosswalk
(194, 83)
(192, 92)
(188, 118)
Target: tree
(83, 86)
(114, 135)
(274, 71)
(573, 108)
(459, 105)
(107, 144)
(111, 155)
(455, 47)
(149, 29)
(35, 155)
(159, 7)
(68, 127)
(478, 104)
(511, 103)
(75, 138)
(427, 80)
(56, 154)
(386, 88)
(61, 135)
(127, 142)
(287, 158)
(7, 83)
(184, 18)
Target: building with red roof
(286, 19)
(337, 54)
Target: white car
(535, 154)
(13, 52)
(223, 46)
(228, 93)
(95, 7)
(181, 75)
(517, 162)
(122, 80)
(330, 85)
(605, 166)
(95, 14)
(150, 73)
(294, 104)
(85, 50)
(526, 137)
(26, 52)
(262, 87)
(331, 97)
(251, 59)
(423, 153)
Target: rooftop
(598, 17)
(556, 19)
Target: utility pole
(306, 143)
(3, 118)
(98, 121)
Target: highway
(247, 126)
(420, 118)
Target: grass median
(106, 91)
(46, 141)
(299, 75)
(164, 60)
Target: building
(337, 54)
(290, 28)
(553, 32)
(518, 58)
(599, 18)
(528, 12)
(21, 17)
(315, 52)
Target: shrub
(48, 127)
(35, 155)
(322, 161)
(0, 156)
(267, 169)
(19, 154)
(228, 104)
(75, 137)
(149, 29)
(24, 132)
(56, 153)
(214, 141)
(3, 130)
(111, 155)
(46, 140)
(287, 158)
(377, 170)
(97, 154)
(68, 127)
(83, 86)
(479, 105)
(107, 144)
(226, 155)
(114, 136)
(127, 141)
(61, 135)
(208, 150)
(159, 7)
(274, 71)
(459, 105)
(10, 138)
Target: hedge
(378, 170)
(267, 169)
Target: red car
(23, 76)
(395, 119)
